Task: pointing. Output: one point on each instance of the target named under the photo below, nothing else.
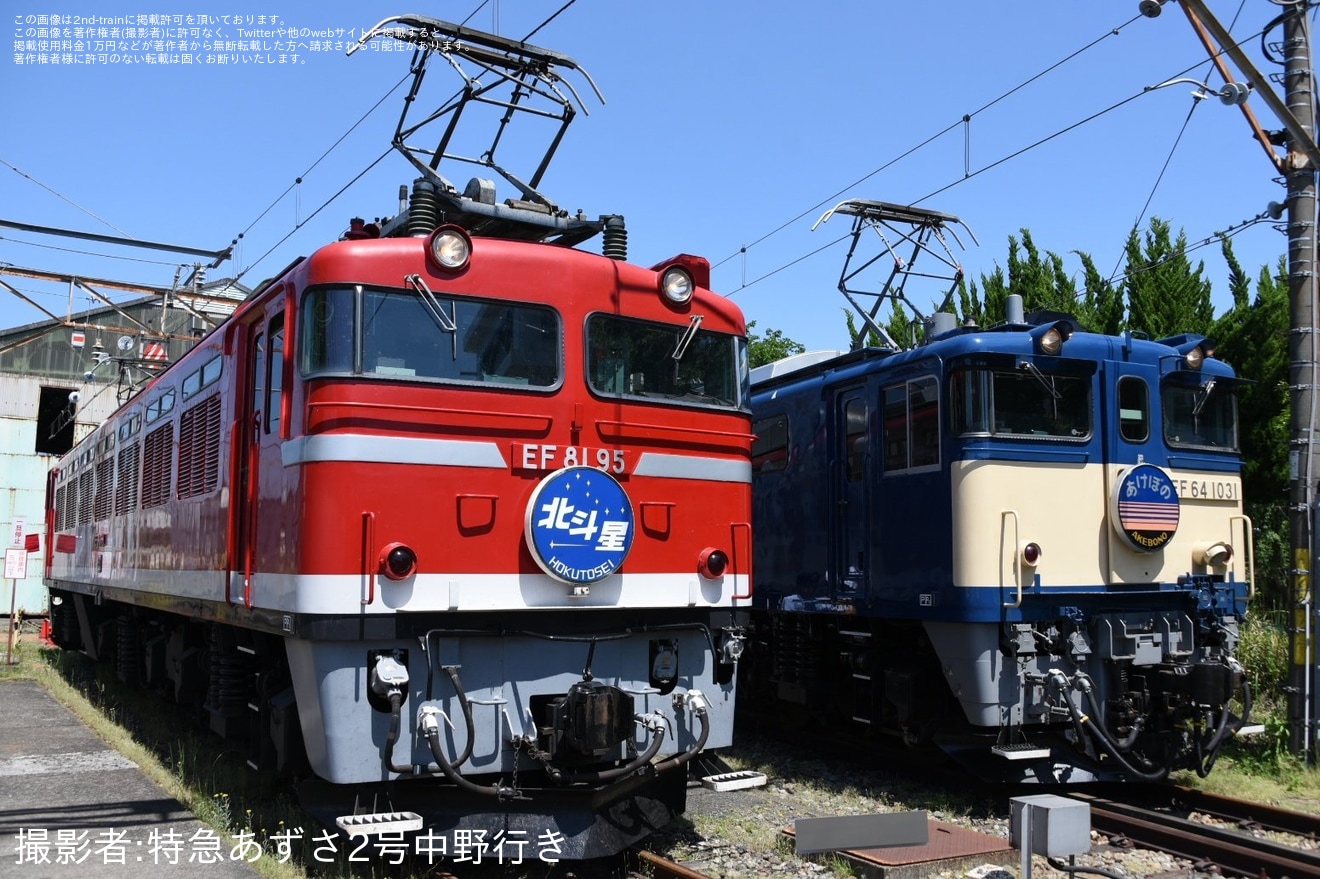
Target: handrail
(1004, 514)
(368, 544)
(1250, 561)
(742, 559)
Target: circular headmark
(579, 525)
(1144, 507)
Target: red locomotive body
(451, 512)
(337, 505)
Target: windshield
(665, 362)
(1021, 402)
(392, 333)
(1203, 414)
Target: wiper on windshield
(686, 339)
(1203, 397)
(447, 323)
(1047, 384)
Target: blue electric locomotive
(1023, 544)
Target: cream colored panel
(1064, 508)
(998, 507)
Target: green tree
(774, 345)
(1166, 295)
(1039, 278)
(1044, 284)
(1253, 338)
(1101, 307)
(899, 327)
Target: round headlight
(450, 248)
(676, 285)
(1052, 341)
(1195, 358)
(1214, 555)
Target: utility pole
(1297, 113)
(1303, 378)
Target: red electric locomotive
(451, 511)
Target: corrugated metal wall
(23, 471)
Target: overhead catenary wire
(293, 187)
(963, 121)
(968, 174)
(299, 221)
(64, 198)
(1206, 241)
(1197, 98)
(299, 179)
(75, 251)
(313, 214)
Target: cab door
(851, 515)
(256, 444)
(1132, 432)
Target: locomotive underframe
(546, 753)
(1076, 697)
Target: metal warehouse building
(60, 378)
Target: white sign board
(16, 536)
(16, 564)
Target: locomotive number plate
(539, 456)
(1209, 489)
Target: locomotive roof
(1006, 339)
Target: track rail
(649, 864)
(1236, 851)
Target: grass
(211, 779)
(186, 763)
(1262, 767)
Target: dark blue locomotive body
(1023, 544)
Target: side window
(924, 415)
(855, 416)
(275, 376)
(259, 376)
(326, 331)
(770, 447)
(912, 424)
(1133, 409)
(896, 434)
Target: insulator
(357, 229)
(424, 210)
(615, 244)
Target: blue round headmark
(1144, 507)
(579, 525)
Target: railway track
(644, 864)
(1218, 834)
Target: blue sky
(728, 124)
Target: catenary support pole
(1300, 96)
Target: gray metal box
(1059, 826)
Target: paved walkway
(70, 806)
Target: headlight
(1049, 338)
(1195, 358)
(1212, 555)
(676, 285)
(450, 248)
